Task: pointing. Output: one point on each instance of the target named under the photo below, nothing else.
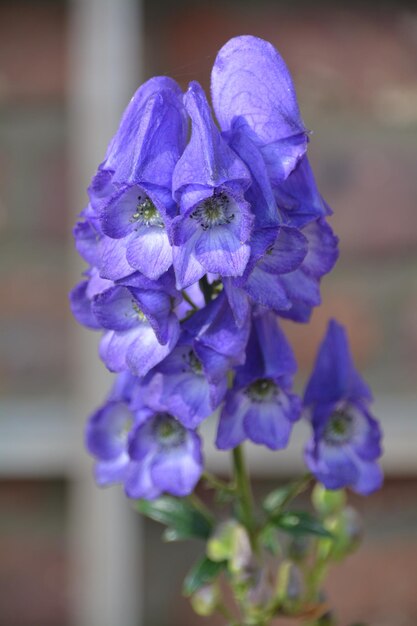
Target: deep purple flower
(150, 453)
(165, 457)
(210, 235)
(346, 439)
(260, 406)
(142, 327)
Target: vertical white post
(105, 54)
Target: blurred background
(71, 555)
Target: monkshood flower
(260, 406)
(150, 453)
(211, 232)
(142, 206)
(166, 457)
(141, 325)
(346, 439)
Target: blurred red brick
(32, 50)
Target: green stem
(244, 494)
(200, 506)
(189, 300)
(206, 288)
(297, 487)
(217, 483)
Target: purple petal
(149, 251)
(130, 122)
(113, 264)
(221, 252)
(112, 472)
(114, 347)
(251, 80)
(230, 432)
(138, 481)
(370, 478)
(178, 470)
(145, 351)
(334, 376)
(298, 196)
(115, 309)
(207, 160)
(106, 431)
(157, 144)
(142, 441)
(266, 423)
(81, 306)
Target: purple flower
(165, 457)
(142, 327)
(141, 206)
(211, 233)
(150, 453)
(183, 387)
(260, 406)
(346, 439)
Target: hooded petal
(157, 144)
(334, 376)
(207, 160)
(131, 119)
(106, 431)
(138, 480)
(250, 80)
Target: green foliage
(202, 573)
(300, 523)
(182, 518)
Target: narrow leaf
(202, 573)
(300, 523)
(179, 515)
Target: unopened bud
(205, 600)
(327, 502)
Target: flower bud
(327, 502)
(205, 600)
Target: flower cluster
(199, 235)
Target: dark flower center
(195, 363)
(262, 390)
(147, 214)
(168, 430)
(214, 211)
(339, 428)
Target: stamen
(339, 428)
(168, 430)
(147, 214)
(214, 211)
(139, 313)
(263, 389)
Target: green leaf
(277, 498)
(202, 573)
(269, 539)
(181, 517)
(300, 523)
